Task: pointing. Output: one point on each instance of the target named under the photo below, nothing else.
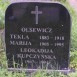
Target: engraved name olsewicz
(46, 30)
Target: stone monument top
(13, 1)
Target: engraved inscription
(20, 43)
(38, 30)
(19, 36)
(36, 50)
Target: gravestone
(37, 36)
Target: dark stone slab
(37, 35)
